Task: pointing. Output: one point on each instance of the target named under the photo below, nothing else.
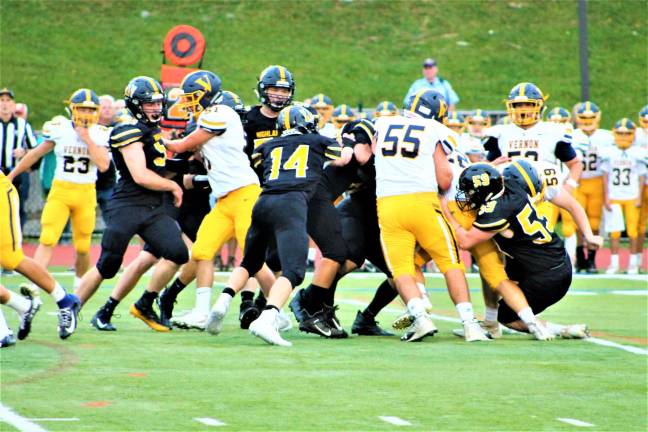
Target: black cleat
(334, 323)
(317, 324)
(297, 306)
(148, 315)
(101, 321)
(248, 312)
(165, 303)
(27, 318)
(260, 301)
(68, 317)
(365, 325)
(7, 341)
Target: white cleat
(420, 328)
(575, 331)
(283, 321)
(427, 304)
(217, 314)
(633, 270)
(191, 320)
(474, 332)
(492, 329)
(404, 321)
(612, 270)
(265, 328)
(540, 332)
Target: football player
(559, 115)
(641, 140)
(455, 122)
(26, 306)
(292, 166)
(536, 257)
(590, 141)
(324, 106)
(623, 167)
(342, 115)
(81, 148)
(12, 258)
(385, 108)
(470, 141)
(137, 205)
(411, 166)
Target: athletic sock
(591, 257)
(383, 296)
(176, 288)
(614, 261)
(77, 282)
(229, 291)
(4, 328)
(59, 293)
(555, 329)
(570, 246)
(260, 300)
(491, 314)
(465, 311)
(147, 299)
(203, 299)
(18, 303)
(634, 260)
(415, 307)
(580, 256)
(271, 307)
(315, 300)
(329, 299)
(527, 316)
(247, 296)
(109, 307)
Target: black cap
(7, 91)
(429, 62)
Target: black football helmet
(524, 173)
(84, 98)
(363, 130)
(200, 89)
(277, 77)
(235, 102)
(428, 104)
(477, 184)
(297, 118)
(141, 90)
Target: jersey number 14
(298, 162)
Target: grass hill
(355, 51)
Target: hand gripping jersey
(405, 154)
(458, 162)
(538, 143)
(624, 167)
(228, 167)
(73, 162)
(589, 149)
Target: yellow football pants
(230, 217)
(552, 212)
(73, 201)
(643, 214)
(406, 220)
(590, 196)
(631, 217)
(11, 253)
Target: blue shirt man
(432, 81)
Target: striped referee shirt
(14, 134)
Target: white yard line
(21, 423)
(70, 419)
(209, 421)
(575, 422)
(396, 421)
(597, 341)
(630, 292)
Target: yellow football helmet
(624, 133)
(477, 122)
(524, 104)
(454, 121)
(588, 116)
(643, 117)
(84, 107)
(324, 106)
(342, 115)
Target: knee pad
(10, 259)
(295, 277)
(48, 236)
(109, 263)
(82, 243)
(632, 231)
(595, 223)
(615, 234)
(337, 256)
(179, 255)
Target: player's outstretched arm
(98, 154)
(136, 163)
(442, 167)
(191, 142)
(565, 200)
(31, 158)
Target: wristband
(571, 182)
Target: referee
(16, 137)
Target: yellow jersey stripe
(526, 177)
(128, 132)
(126, 142)
(212, 124)
(500, 225)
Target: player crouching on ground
(536, 256)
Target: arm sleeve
(124, 135)
(332, 150)
(564, 151)
(491, 145)
(491, 217)
(213, 120)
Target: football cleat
(633, 270)
(283, 321)
(493, 329)
(148, 315)
(297, 306)
(165, 304)
(402, 322)
(265, 328)
(248, 312)
(27, 318)
(420, 328)
(473, 332)
(575, 331)
(214, 324)
(68, 317)
(366, 325)
(610, 270)
(338, 331)
(191, 320)
(8, 340)
(540, 332)
(317, 324)
(101, 321)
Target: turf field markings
(19, 422)
(396, 421)
(70, 419)
(630, 292)
(575, 422)
(96, 404)
(209, 421)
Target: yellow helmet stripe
(385, 106)
(153, 84)
(526, 177)
(522, 89)
(588, 106)
(416, 99)
(282, 73)
(287, 119)
(442, 109)
(87, 95)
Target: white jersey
(624, 167)
(470, 144)
(329, 131)
(589, 149)
(641, 138)
(73, 162)
(228, 167)
(458, 162)
(538, 143)
(405, 154)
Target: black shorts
(541, 290)
(325, 228)
(281, 217)
(359, 219)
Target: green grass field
(355, 51)
(136, 379)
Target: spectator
(431, 80)
(106, 180)
(16, 137)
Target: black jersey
(258, 129)
(127, 192)
(533, 247)
(294, 162)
